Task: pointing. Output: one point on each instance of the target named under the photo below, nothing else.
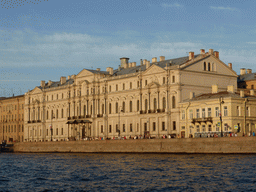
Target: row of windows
(78, 111)
(209, 128)
(12, 117)
(12, 128)
(205, 113)
(11, 107)
(97, 90)
(117, 130)
(48, 131)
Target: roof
(247, 77)
(222, 94)
(162, 64)
(57, 84)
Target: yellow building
(132, 100)
(218, 112)
(12, 118)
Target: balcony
(143, 112)
(100, 115)
(69, 118)
(29, 121)
(201, 120)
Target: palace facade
(129, 101)
(12, 118)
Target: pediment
(36, 90)
(153, 69)
(219, 66)
(84, 73)
(153, 85)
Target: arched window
(164, 103)
(91, 109)
(146, 104)
(102, 109)
(62, 113)
(252, 86)
(117, 107)
(173, 102)
(52, 115)
(138, 105)
(130, 106)
(124, 107)
(204, 66)
(47, 115)
(109, 108)
(209, 66)
(57, 114)
(155, 104)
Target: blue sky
(43, 40)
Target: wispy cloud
(165, 5)
(224, 8)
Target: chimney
(230, 65)
(62, 80)
(130, 65)
(42, 83)
(249, 71)
(241, 93)
(124, 61)
(144, 61)
(202, 51)
(141, 62)
(216, 54)
(154, 59)
(214, 88)
(147, 64)
(191, 95)
(211, 51)
(191, 55)
(134, 64)
(252, 92)
(49, 83)
(73, 76)
(242, 71)
(110, 70)
(98, 69)
(69, 77)
(230, 88)
(162, 58)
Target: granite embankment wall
(199, 145)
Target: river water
(126, 172)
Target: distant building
(12, 118)
(246, 80)
(132, 100)
(216, 112)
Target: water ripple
(126, 172)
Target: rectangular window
(226, 127)
(247, 112)
(138, 84)
(217, 128)
(123, 127)
(123, 86)
(173, 79)
(131, 127)
(61, 131)
(117, 128)
(209, 127)
(56, 131)
(163, 80)
(182, 127)
(146, 82)
(109, 88)
(116, 87)
(197, 113)
(137, 127)
(191, 113)
(163, 126)
(217, 113)
(183, 114)
(203, 113)
(130, 85)
(203, 128)
(154, 126)
(209, 112)
(110, 129)
(101, 130)
(225, 111)
(174, 125)
(238, 111)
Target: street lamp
(51, 125)
(119, 128)
(221, 102)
